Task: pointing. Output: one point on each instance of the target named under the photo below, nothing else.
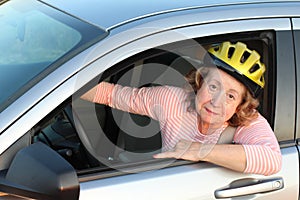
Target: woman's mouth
(210, 111)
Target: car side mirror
(38, 172)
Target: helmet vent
(244, 57)
(261, 79)
(217, 48)
(230, 52)
(254, 68)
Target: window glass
(33, 39)
(29, 37)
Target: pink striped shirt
(168, 105)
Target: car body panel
(296, 28)
(286, 106)
(192, 180)
(132, 10)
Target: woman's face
(218, 98)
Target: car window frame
(296, 34)
(153, 55)
(286, 20)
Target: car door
(181, 180)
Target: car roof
(108, 14)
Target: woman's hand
(187, 150)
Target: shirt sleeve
(156, 102)
(261, 147)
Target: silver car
(54, 145)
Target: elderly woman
(222, 93)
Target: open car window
(92, 136)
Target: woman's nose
(218, 99)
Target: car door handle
(249, 186)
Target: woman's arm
(101, 93)
(225, 155)
(229, 156)
(151, 101)
(256, 150)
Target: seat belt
(227, 135)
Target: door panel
(194, 181)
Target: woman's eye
(231, 97)
(212, 88)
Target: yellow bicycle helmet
(241, 63)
